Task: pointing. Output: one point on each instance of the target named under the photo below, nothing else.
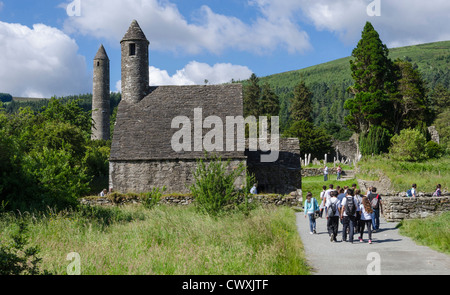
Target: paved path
(389, 254)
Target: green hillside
(432, 59)
(329, 81)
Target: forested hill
(329, 81)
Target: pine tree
(252, 94)
(409, 104)
(270, 103)
(372, 74)
(301, 105)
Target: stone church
(142, 154)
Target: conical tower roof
(134, 33)
(101, 54)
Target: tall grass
(166, 241)
(426, 174)
(433, 232)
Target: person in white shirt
(253, 190)
(366, 219)
(325, 173)
(323, 200)
(332, 206)
(349, 207)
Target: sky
(47, 47)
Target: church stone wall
(143, 176)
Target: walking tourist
(332, 206)
(349, 207)
(377, 206)
(323, 199)
(366, 219)
(310, 207)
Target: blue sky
(45, 51)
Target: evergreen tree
(372, 74)
(269, 103)
(409, 104)
(301, 105)
(252, 94)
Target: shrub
(214, 188)
(409, 145)
(434, 150)
(58, 182)
(151, 199)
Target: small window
(132, 49)
(98, 64)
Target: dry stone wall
(400, 208)
(291, 200)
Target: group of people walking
(355, 211)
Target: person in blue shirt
(310, 207)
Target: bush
(214, 188)
(58, 182)
(434, 150)
(409, 145)
(151, 199)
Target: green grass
(426, 174)
(166, 241)
(433, 232)
(314, 184)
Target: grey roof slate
(143, 130)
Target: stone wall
(143, 176)
(282, 176)
(177, 200)
(308, 172)
(400, 208)
(344, 150)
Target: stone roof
(134, 33)
(143, 130)
(101, 54)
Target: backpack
(375, 202)
(409, 193)
(332, 210)
(350, 206)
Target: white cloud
(195, 73)
(402, 22)
(168, 29)
(40, 62)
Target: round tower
(135, 73)
(101, 97)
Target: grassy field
(165, 241)
(314, 184)
(425, 174)
(433, 232)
